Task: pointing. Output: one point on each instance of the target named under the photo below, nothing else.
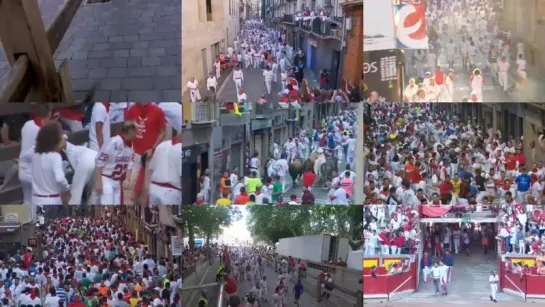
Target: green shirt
(277, 188)
(86, 282)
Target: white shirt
(99, 115)
(166, 164)
(282, 167)
(237, 74)
(29, 132)
(173, 114)
(51, 301)
(192, 86)
(435, 272)
(75, 153)
(48, 174)
(211, 82)
(242, 97)
(115, 158)
(493, 280)
(340, 197)
(268, 74)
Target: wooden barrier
(29, 48)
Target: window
(208, 10)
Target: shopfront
(194, 161)
(261, 137)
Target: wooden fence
(30, 47)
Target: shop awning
(9, 227)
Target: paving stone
(151, 61)
(121, 53)
(130, 38)
(108, 63)
(117, 72)
(143, 72)
(102, 96)
(143, 96)
(110, 84)
(101, 47)
(134, 62)
(138, 52)
(120, 46)
(172, 95)
(119, 96)
(98, 73)
(166, 71)
(140, 45)
(135, 84)
(115, 39)
(80, 55)
(100, 54)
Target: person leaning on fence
(327, 285)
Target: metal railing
(198, 112)
(288, 18)
(332, 27)
(265, 109)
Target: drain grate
(97, 1)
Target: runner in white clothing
(113, 165)
(166, 167)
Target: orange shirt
(222, 189)
(103, 290)
(242, 199)
(413, 173)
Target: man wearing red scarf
(151, 128)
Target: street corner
(112, 50)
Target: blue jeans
(508, 244)
(436, 283)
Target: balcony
(229, 118)
(199, 114)
(263, 110)
(286, 105)
(324, 27)
(288, 19)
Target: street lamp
(328, 8)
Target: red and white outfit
(166, 167)
(115, 158)
(477, 83)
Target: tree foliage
(270, 224)
(207, 221)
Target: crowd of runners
(420, 158)
(466, 44)
(321, 159)
(257, 47)
(88, 262)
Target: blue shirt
(523, 182)
(61, 293)
(298, 289)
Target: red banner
(433, 211)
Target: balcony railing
(288, 18)
(263, 110)
(331, 27)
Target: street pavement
(469, 284)
(129, 49)
(306, 300)
(253, 85)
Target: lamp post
(328, 8)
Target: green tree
(207, 221)
(271, 224)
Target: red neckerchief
(107, 106)
(38, 122)
(176, 140)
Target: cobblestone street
(129, 49)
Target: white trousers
(238, 84)
(503, 80)
(268, 85)
(493, 290)
(83, 173)
(159, 195)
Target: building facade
(208, 28)
(353, 57)
(526, 22)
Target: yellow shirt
(252, 184)
(133, 301)
(456, 184)
(223, 202)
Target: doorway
(470, 272)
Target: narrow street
(253, 85)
